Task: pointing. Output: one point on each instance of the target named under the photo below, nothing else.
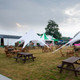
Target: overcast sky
(19, 16)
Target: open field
(43, 68)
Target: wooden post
(2, 41)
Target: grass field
(43, 68)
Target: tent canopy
(45, 38)
(75, 38)
(31, 35)
(52, 38)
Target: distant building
(3, 39)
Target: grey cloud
(32, 12)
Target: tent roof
(52, 38)
(31, 35)
(75, 38)
(55, 39)
(44, 37)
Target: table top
(15, 50)
(10, 49)
(71, 59)
(23, 53)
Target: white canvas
(31, 35)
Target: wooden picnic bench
(68, 64)
(8, 51)
(24, 56)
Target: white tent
(75, 38)
(50, 37)
(31, 35)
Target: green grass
(43, 68)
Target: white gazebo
(30, 36)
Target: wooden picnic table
(15, 51)
(10, 49)
(24, 56)
(70, 65)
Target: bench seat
(59, 66)
(19, 58)
(78, 69)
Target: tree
(53, 30)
